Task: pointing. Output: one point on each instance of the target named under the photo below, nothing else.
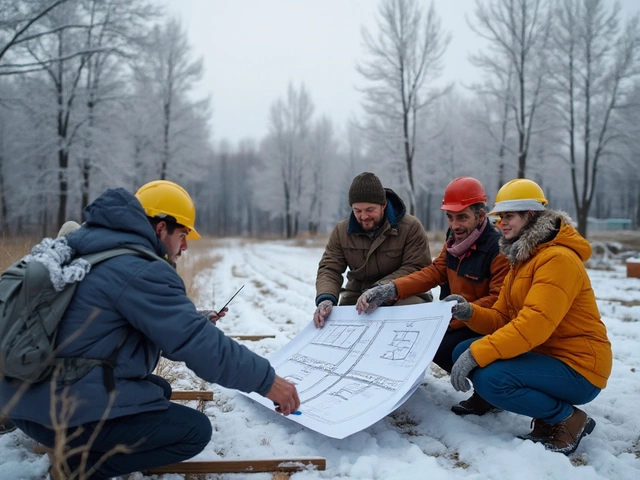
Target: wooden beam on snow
(251, 338)
(242, 466)
(192, 395)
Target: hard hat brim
(516, 206)
(453, 207)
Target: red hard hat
(462, 192)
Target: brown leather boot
(566, 435)
(474, 405)
(541, 431)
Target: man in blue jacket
(137, 309)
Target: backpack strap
(138, 250)
(72, 369)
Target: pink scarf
(459, 250)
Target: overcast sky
(252, 49)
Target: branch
(31, 22)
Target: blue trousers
(158, 438)
(531, 384)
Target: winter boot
(541, 431)
(566, 435)
(474, 405)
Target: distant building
(599, 224)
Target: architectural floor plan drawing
(359, 368)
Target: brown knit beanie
(366, 187)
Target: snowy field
(423, 438)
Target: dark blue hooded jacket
(147, 299)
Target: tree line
(100, 93)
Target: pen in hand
(297, 412)
(213, 315)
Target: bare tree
(322, 171)
(286, 154)
(4, 214)
(167, 69)
(496, 95)
(404, 58)
(62, 58)
(115, 31)
(595, 62)
(518, 33)
(17, 20)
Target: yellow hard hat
(519, 195)
(161, 197)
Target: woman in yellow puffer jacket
(545, 347)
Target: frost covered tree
(285, 153)
(19, 22)
(324, 168)
(168, 74)
(595, 61)
(515, 64)
(69, 63)
(115, 32)
(402, 60)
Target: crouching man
(125, 312)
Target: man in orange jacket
(469, 265)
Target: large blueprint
(359, 368)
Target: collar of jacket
(356, 228)
(541, 230)
(393, 214)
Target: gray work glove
(461, 370)
(212, 315)
(322, 312)
(463, 310)
(376, 296)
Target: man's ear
(160, 227)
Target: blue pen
(297, 412)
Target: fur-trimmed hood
(551, 227)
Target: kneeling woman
(545, 347)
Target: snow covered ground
(422, 439)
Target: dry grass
(200, 256)
(13, 249)
(168, 370)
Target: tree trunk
(63, 184)
(3, 199)
(638, 211)
(583, 211)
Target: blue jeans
(531, 384)
(158, 438)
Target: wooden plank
(41, 449)
(242, 466)
(191, 395)
(251, 338)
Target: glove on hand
(322, 312)
(461, 370)
(463, 311)
(376, 296)
(212, 315)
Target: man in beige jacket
(378, 242)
